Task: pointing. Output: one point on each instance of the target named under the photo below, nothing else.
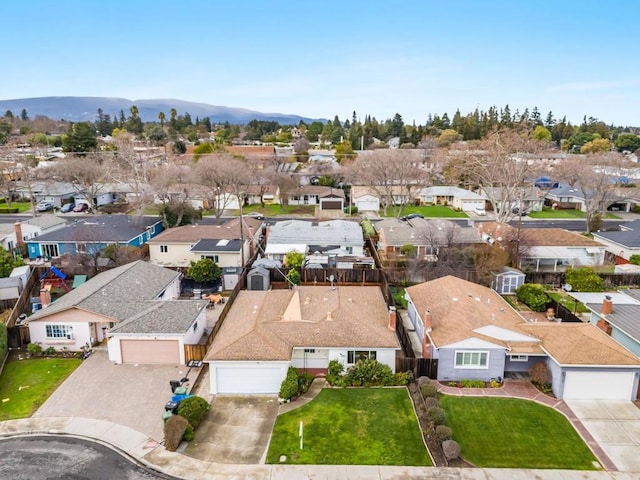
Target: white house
(365, 199)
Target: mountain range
(80, 109)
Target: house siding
(447, 370)
(511, 366)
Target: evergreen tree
(23, 115)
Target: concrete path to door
(615, 425)
(131, 395)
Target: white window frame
(468, 354)
(164, 248)
(58, 332)
(519, 358)
(354, 355)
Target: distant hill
(79, 109)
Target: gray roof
(509, 271)
(100, 228)
(119, 293)
(626, 311)
(216, 245)
(45, 221)
(422, 231)
(10, 282)
(331, 232)
(446, 190)
(162, 317)
(628, 238)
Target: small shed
(10, 288)
(23, 273)
(507, 280)
(258, 278)
(230, 277)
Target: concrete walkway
(525, 390)
(316, 387)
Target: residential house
(365, 199)
(428, 236)
(133, 306)
(565, 196)
(330, 238)
(57, 193)
(507, 280)
(454, 197)
(26, 230)
(615, 313)
(545, 249)
(265, 332)
(258, 194)
(532, 198)
(225, 244)
(326, 198)
(92, 234)
(622, 244)
(475, 334)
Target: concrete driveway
(130, 395)
(615, 425)
(237, 430)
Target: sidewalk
(525, 390)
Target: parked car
(479, 211)
(517, 211)
(257, 215)
(81, 207)
(67, 207)
(412, 215)
(44, 206)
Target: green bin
(181, 391)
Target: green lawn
(550, 213)
(274, 210)
(355, 426)
(21, 206)
(429, 211)
(26, 384)
(514, 433)
(568, 302)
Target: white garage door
(598, 385)
(249, 380)
(368, 205)
(150, 351)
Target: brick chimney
(426, 345)
(18, 228)
(45, 297)
(428, 321)
(607, 305)
(392, 318)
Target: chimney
(45, 297)
(428, 321)
(329, 317)
(18, 228)
(392, 318)
(426, 346)
(607, 305)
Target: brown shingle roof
(267, 325)
(192, 233)
(538, 237)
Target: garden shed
(258, 278)
(507, 280)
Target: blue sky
(319, 59)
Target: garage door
(598, 385)
(367, 205)
(150, 351)
(249, 380)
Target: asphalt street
(51, 457)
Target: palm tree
(161, 117)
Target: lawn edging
(422, 432)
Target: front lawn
(274, 210)
(26, 384)
(354, 426)
(428, 211)
(548, 212)
(514, 433)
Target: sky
(321, 59)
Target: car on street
(412, 215)
(518, 211)
(44, 206)
(256, 215)
(81, 207)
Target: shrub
(289, 386)
(50, 351)
(436, 415)
(443, 433)
(188, 434)
(4, 346)
(540, 374)
(428, 390)
(533, 295)
(473, 383)
(369, 373)
(451, 449)
(403, 378)
(431, 402)
(423, 381)
(584, 279)
(193, 409)
(304, 382)
(174, 429)
(34, 349)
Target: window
(354, 356)
(472, 360)
(519, 358)
(195, 326)
(49, 249)
(59, 331)
(309, 350)
(213, 258)
(164, 248)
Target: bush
(174, 429)
(473, 383)
(451, 449)
(289, 386)
(540, 374)
(431, 402)
(193, 409)
(436, 415)
(443, 433)
(304, 382)
(188, 434)
(50, 351)
(369, 372)
(334, 372)
(533, 295)
(34, 349)
(403, 378)
(423, 381)
(584, 279)
(428, 390)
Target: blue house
(473, 333)
(92, 234)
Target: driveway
(130, 395)
(615, 425)
(237, 430)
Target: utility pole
(517, 262)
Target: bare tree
(172, 183)
(502, 164)
(132, 169)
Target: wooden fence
(420, 367)
(19, 336)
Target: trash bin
(171, 406)
(181, 390)
(166, 414)
(174, 385)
